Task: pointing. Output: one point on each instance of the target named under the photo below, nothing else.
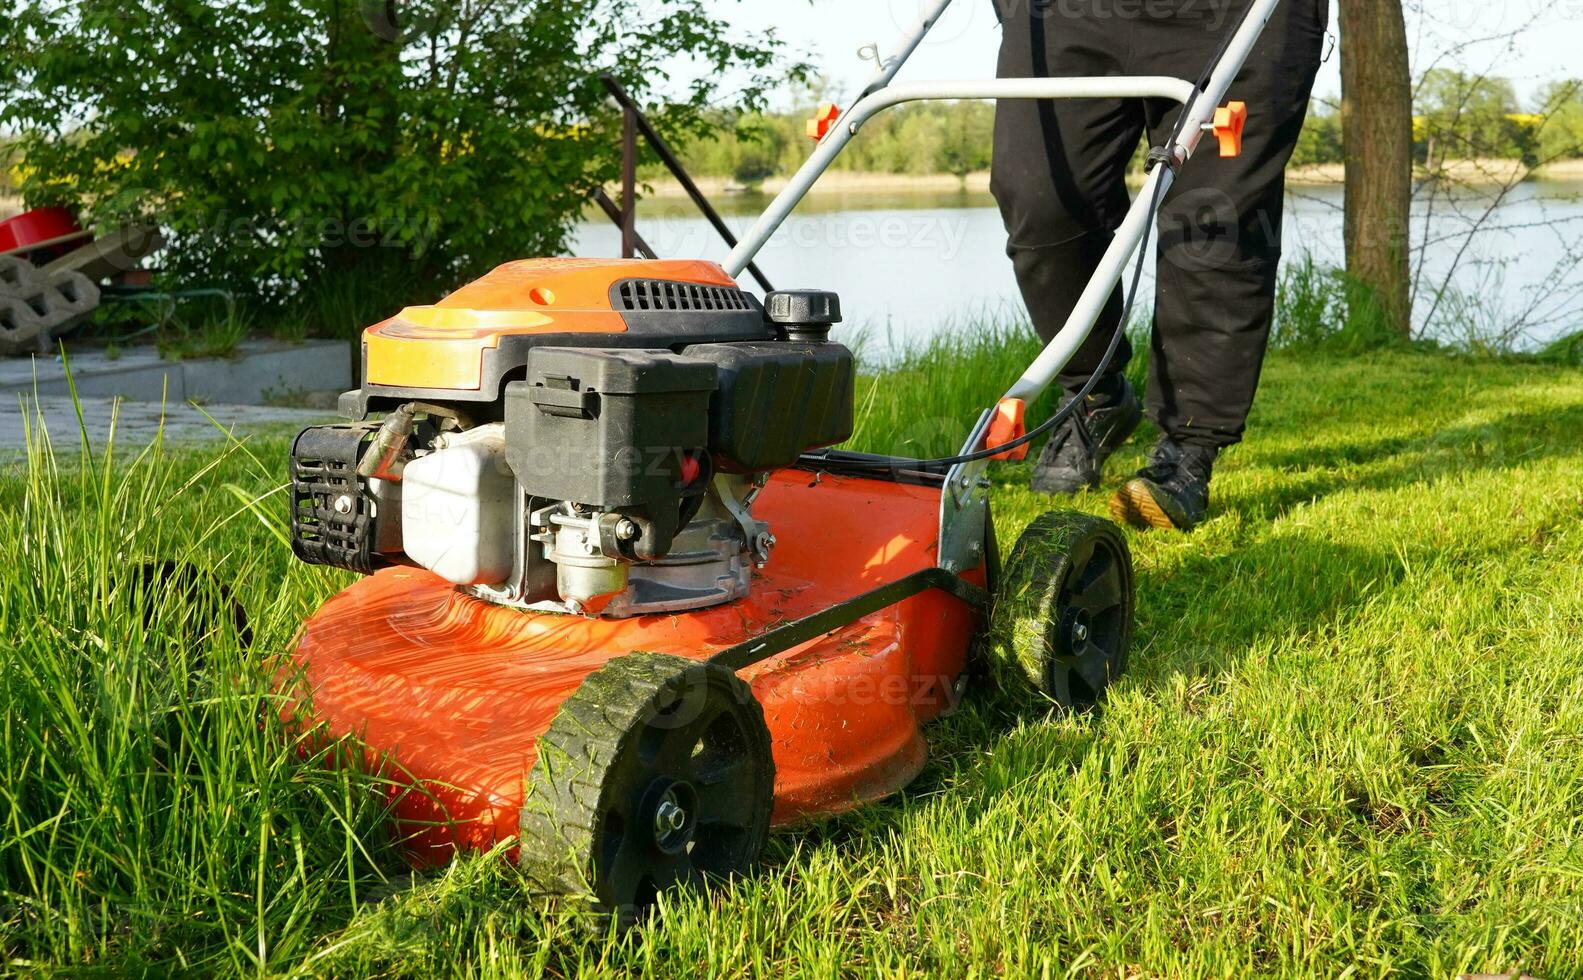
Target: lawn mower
(624, 606)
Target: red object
(37, 227)
(1008, 424)
(823, 120)
(1230, 120)
(457, 690)
(690, 470)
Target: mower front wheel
(655, 773)
(1062, 619)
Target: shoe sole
(1133, 504)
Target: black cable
(1065, 412)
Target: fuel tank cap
(803, 314)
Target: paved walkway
(136, 423)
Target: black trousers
(1059, 178)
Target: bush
(287, 141)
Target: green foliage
(1463, 116)
(286, 141)
(158, 803)
(10, 156)
(1567, 349)
(1560, 105)
(1318, 308)
(206, 328)
(1320, 141)
(923, 138)
(928, 396)
(966, 138)
(927, 138)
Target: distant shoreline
(1477, 172)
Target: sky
(1545, 36)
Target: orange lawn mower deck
(625, 605)
(624, 609)
(460, 690)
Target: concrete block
(17, 275)
(21, 326)
(267, 371)
(119, 251)
(46, 306)
(71, 296)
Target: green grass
(1351, 737)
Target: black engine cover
(639, 430)
(775, 401)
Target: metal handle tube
(1106, 87)
(909, 43)
(1132, 233)
(743, 253)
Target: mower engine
(586, 436)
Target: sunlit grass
(153, 807)
(1351, 737)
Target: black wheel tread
(564, 793)
(1027, 598)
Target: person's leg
(1220, 226)
(1059, 176)
(1059, 168)
(1219, 249)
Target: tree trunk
(1377, 136)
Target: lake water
(911, 263)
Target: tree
(389, 144)
(1320, 140)
(756, 149)
(1560, 105)
(1377, 132)
(968, 129)
(1466, 117)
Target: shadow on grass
(1394, 462)
(1196, 618)
(1203, 614)
(1200, 616)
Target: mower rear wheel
(655, 773)
(1063, 613)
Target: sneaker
(1076, 452)
(1171, 492)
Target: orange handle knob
(1007, 424)
(823, 120)
(1230, 120)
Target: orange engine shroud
(454, 691)
(442, 346)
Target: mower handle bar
(846, 127)
(1134, 230)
